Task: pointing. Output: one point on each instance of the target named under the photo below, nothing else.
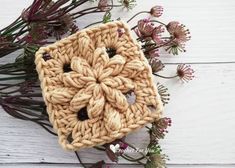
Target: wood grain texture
(113, 166)
(203, 110)
(201, 133)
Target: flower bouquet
(44, 23)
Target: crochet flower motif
(86, 80)
(99, 87)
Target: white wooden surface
(203, 110)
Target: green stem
(12, 24)
(14, 28)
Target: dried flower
(157, 34)
(103, 5)
(144, 28)
(156, 65)
(37, 34)
(156, 161)
(4, 42)
(151, 53)
(185, 72)
(129, 4)
(178, 31)
(159, 128)
(174, 47)
(156, 11)
(162, 91)
(61, 26)
(37, 10)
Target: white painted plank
(211, 23)
(111, 166)
(203, 117)
(202, 131)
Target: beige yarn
(97, 83)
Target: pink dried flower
(156, 65)
(156, 11)
(178, 31)
(157, 34)
(103, 5)
(144, 28)
(185, 72)
(153, 53)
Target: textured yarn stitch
(99, 83)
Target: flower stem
(162, 45)
(12, 24)
(131, 159)
(79, 159)
(165, 77)
(156, 21)
(93, 24)
(99, 148)
(136, 15)
(135, 149)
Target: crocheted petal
(80, 100)
(86, 47)
(115, 97)
(116, 64)
(112, 119)
(96, 103)
(76, 80)
(100, 59)
(120, 83)
(133, 68)
(60, 95)
(81, 66)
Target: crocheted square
(86, 79)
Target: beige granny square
(86, 79)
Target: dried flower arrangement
(46, 21)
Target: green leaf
(107, 17)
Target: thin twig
(79, 159)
